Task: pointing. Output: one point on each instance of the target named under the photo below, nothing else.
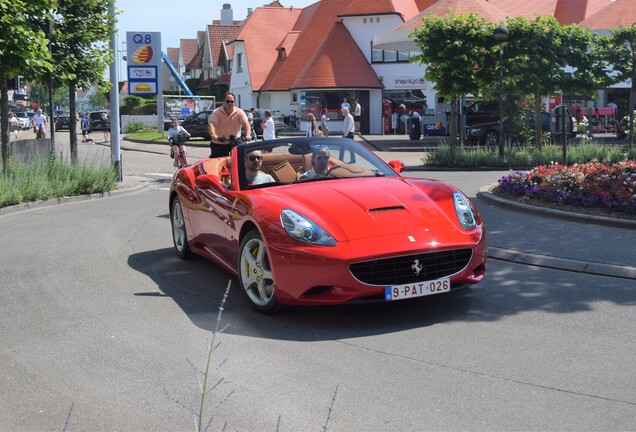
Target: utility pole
(115, 147)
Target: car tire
(179, 232)
(491, 137)
(255, 274)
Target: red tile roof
(526, 8)
(197, 60)
(443, 8)
(173, 56)
(620, 13)
(424, 4)
(344, 67)
(262, 38)
(188, 49)
(575, 11)
(406, 8)
(219, 34)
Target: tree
(619, 50)
(81, 50)
(543, 57)
(23, 51)
(98, 100)
(456, 52)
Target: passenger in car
(319, 163)
(253, 173)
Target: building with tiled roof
(620, 13)
(187, 51)
(195, 65)
(314, 56)
(303, 60)
(168, 82)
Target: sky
(181, 19)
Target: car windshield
(305, 160)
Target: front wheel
(183, 158)
(255, 274)
(491, 137)
(179, 233)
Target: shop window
(389, 56)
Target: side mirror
(397, 166)
(208, 181)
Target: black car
(480, 112)
(98, 121)
(197, 124)
(62, 122)
(488, 133)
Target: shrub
(53, 178)
(135, 127)
(471, 157)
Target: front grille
(403, 269)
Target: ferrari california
(325, 221)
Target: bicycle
(39, 131)
(179, 141)
(291, 121)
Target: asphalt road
(100, 321)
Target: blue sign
(144, 59)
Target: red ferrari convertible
(324, 221)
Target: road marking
(159, 174)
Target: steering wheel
(330, 169)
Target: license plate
(418, 289)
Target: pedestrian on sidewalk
(84, 127)
(348, 124)
(357, 114)
(14, 125)
(324, 119)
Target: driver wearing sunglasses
(225, 121)
(253, 173)
(319, 163)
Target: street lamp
(501, 35)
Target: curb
(485, 193)
(565, 264)
(137, 186)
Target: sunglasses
(255, 158)
(322, 157)
(229, 101)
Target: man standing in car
(225, 121)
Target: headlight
(464, 210)
(304, 230)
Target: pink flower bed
(591, 185)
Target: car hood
(372, 207)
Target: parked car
(62, 122)
(23, 120)
(96, 121)
(383, 237)
(480, 112)
(197, 124)
(488, 133)
(279, 125)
